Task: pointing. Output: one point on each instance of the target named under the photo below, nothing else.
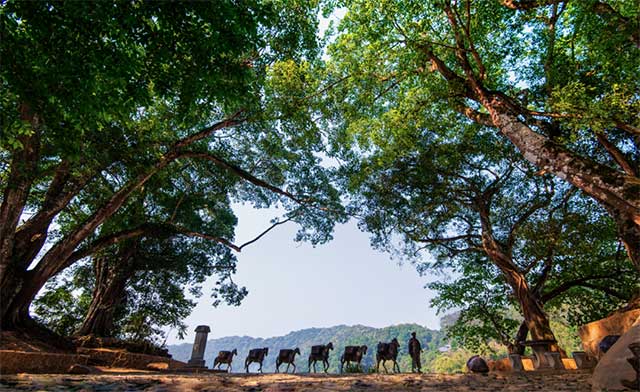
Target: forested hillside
(340, 336)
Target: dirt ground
(493, 382)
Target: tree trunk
(22, 172)
(534, 315)
(108, 294)
(521, 336)
(618, 192)
(16, 299)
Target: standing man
(414, 350)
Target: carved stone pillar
(200, 343)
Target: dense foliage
(97, 106)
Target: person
(414, 351)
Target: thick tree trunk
(535, 318)
(22, 172)
(109, 293)
(618, 192)
(16, 299)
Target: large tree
(559, 79)
(109, 95)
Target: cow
(225, 357)
(388, 352)
(320, 353)
(255, 355)
(287, 356)
(353, 354)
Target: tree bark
(109, 293)
(618, 192)
(535, 318)
(22, 173)
(16, 297)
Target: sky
(294, 286)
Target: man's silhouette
(414, 350)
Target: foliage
(451, 362)
(176, 102)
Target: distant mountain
(340, 336)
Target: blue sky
(294, 285)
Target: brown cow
(353, 354)
(320, 353)
(225, 357)
(388, 352)
(287, 356)
(256, 355)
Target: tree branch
(241, 173)
(617, 155)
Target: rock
(476, 364)
(617, 324)
(606, 343)
(614, 366)
(82, 369)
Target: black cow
(225, 357)
(388, 352)
(255, 355)
(287, 356)
(353, 354)
(320, 353)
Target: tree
(487, 216)
(94, 99)
(558, 79)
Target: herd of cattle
(352, 354)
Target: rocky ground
(529, 381)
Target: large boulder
(477, 364)
(617, 324)
(614, 366)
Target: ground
(529, 381)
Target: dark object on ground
(320, 353)
(477, 364)
(353, 354)
(255, 355)
(225, 357)
(388, 352)
(606, 342)
(287, 356)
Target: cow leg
(384, 366)
(260, 369)
(294, 367)
(396, 366)
(310, 363)
(246, 365)
(277, 366)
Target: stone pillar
(200, 343)
(554, 360)
(583, 361)
(516, 362)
